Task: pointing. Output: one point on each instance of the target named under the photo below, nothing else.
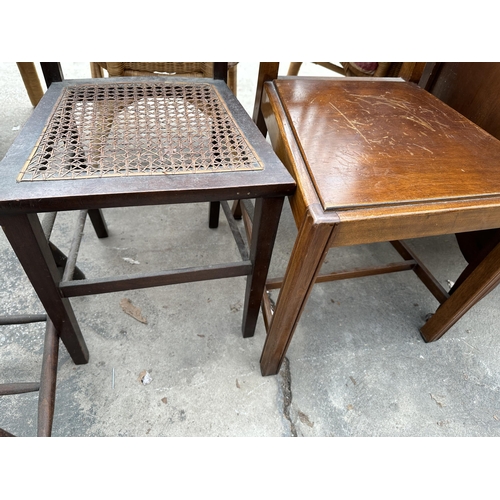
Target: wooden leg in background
(61, 259)
(213, 216)
(31, 81)
(267, 71)
(97, 219)
(308, 254)
(294, 68)
(236, 209)
(48, 379)
(484, 278)
(28, 241)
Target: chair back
(473, 89)
(182, 69)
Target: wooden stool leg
(484, 278)
(236, 210)
(28, 241)
(97, 219)
(47, 394)
(308, 254)
(213, 215)
(61, 259)
(265, 226)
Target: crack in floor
(286, 390)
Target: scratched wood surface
(416, 150)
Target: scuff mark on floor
(286, 393)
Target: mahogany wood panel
(386, 143)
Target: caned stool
(97, 144)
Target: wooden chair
(183, 69)
(409, 71)
(473, 89)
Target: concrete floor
(357, 365)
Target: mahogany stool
(377, 160)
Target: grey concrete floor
(357, 365)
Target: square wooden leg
(477, 285)
(308, 254)
(265, 227)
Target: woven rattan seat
(157, 129)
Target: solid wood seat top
(379, 143)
